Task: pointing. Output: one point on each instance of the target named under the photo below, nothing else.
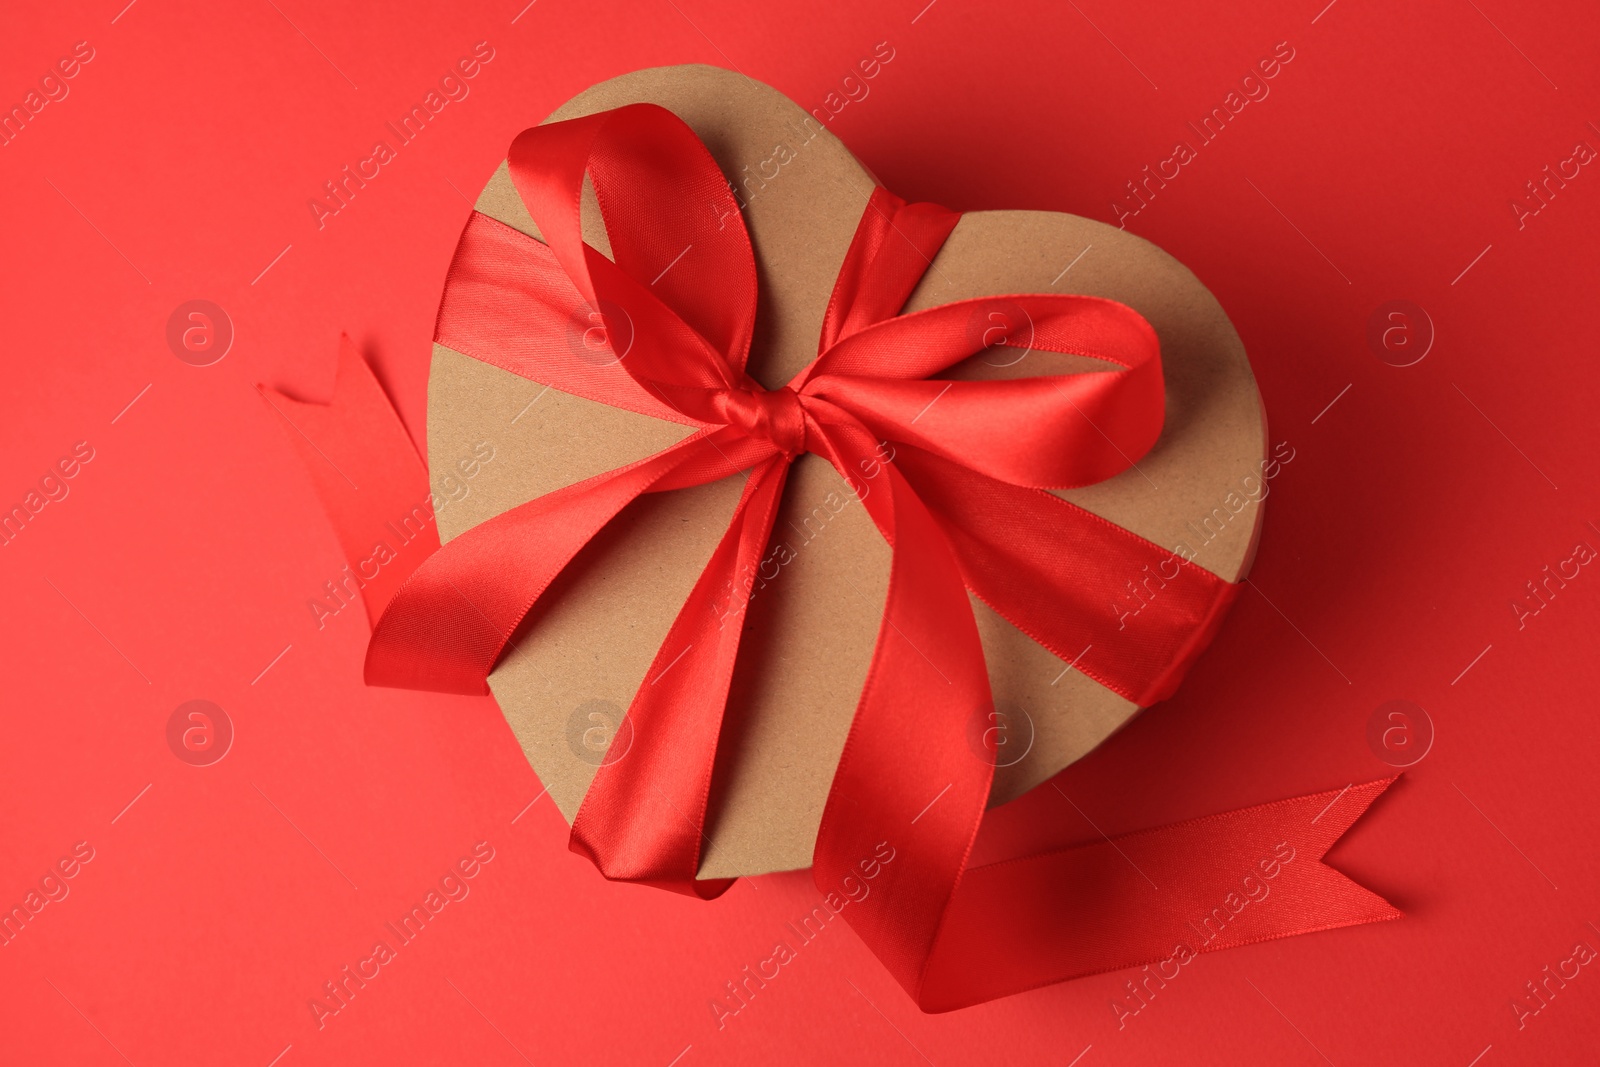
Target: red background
(1417, 507)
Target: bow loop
(1049, 431)
(677, 297)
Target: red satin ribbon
(963, 505)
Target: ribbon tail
(909, 795)
(450, 621)
(643, 817)
(368, 476)
(907, 784)
(1155, 897)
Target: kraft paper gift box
(817, 598)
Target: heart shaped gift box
(817, 598)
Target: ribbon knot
(774, 415)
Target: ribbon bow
(965, 466)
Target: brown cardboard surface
(577, 660)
